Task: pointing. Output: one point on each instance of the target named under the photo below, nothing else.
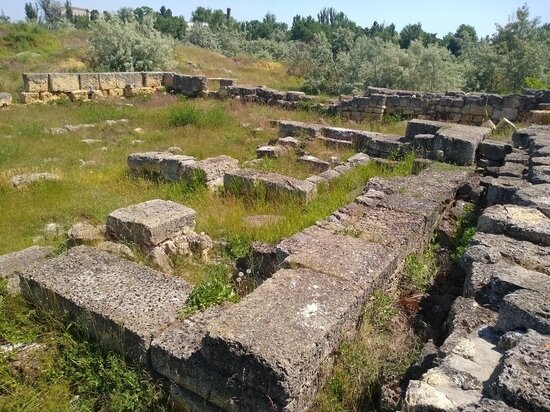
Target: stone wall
(460, 107)
(43, 87)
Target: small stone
(52, 231)
(509, 340)
(200, 245)
(86, 163)
(138, 130)
(30, 178)
(161, 259)
(83, 233)
(5, 99)
(116, 249)
(175, 149)
(136, 141)
(91, 141)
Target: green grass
(420, 269)
(381, 351)
(64, 372)
(466, 229)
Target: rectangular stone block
(29, 97)
(150, 223)
(121, 304)
(190, 85)
(459, 143)
(162, 165)
(89, 81)
(297, 129)
(211, 171)
(35, 82)
(153, 79)
(494, 150)
(269, 185)
(63, 82)
(21, 262)
(278, 337)
(418, 126)
(132, 78)
(107, 81)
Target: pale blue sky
(436, 16)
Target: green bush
(190, 114)
(129, 45)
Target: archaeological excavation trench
(273, 350)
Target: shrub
(190, 114)
(129, 45)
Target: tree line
(331, 52)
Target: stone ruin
(273, 350)
(458, 107)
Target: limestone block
(285, 330)
(270, 185)
(124, 79)
(35, 82)
(158, 164)
(47, 96)
(540, 116)
(297, 129)
(63, 82)
(418, 126)
(522, 379)
(150, 223)
(5, 99)
(30, 178)
(78, 95)
(168, 80)
(459, 143)
(121, 304)
(211, 171)
(135, 91)
(494, 150)
(89, 81)
(116, 92)
(21, 261)
(189, 85)
(107, 81)
(29, 97)
(502, 190)
(314, 163)
(519, 222)
(269, 151)
(153, 79)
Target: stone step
(251, 182)
(121, 304)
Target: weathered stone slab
(360, 261)
(539, 175)
(153, 79)
(502, 190)
(289, 141)
(519, 222)
(189, 85)
(176, 355)
(269, 151)
(158, 164)
(537, 196)
(280, 355)
(459, 143)
(359, 158)
(89, 81)
(83, 233)
(270, 185)
(298, 129)
(35, 82)
(384, 146)
(20, 262)
(526, 309)
(491, 248)
(62, 82)
(107, 81)
(339, 133)
(423, 144)
(514, 170)
(129, 78)
(314, 163)
(417, 126)
(30, 178)
(5, 99)
(120, 303)
(150, 223)
(211, 170)
(494, 150)
(522, 379)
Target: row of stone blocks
(449, 142)
(84, 86)
(272, 350)
(457, 107)
(496, 355)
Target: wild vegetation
(331, 53)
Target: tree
(3, 17)
(94, 15)
(524, 48)
(68, 11)
(412, 32)
(53, 11)
(31, 12)
(305, 28)
(129, 45)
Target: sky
(436, 16)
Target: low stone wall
(43, 87)
(264, 95)
(460, 107)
